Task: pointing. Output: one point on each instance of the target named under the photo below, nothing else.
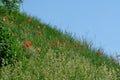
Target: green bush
(12, 4)
(3, 11)
(7, 44)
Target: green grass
(77, 60)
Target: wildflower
(39, 49)
(44, 27)
(113, 59)
(5, 18)
(29, 20)
(64, 44)
(75, 45)
(28, 44)
(57, 42)
(98, 52)
(38, 27)
(38, 32)
(50, 44)
(20, 25)
(81, 49)
(70, 46)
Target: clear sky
(96, 20)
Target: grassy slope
(47, 60)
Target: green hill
(36, 51)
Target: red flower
(50, 44)
(28, 44)
(38, 27)
(44, 27)
(39, 49)
(6, 18)
(81, 49)
(29, 20)
(64, 44)
(75, 45)
(57, 42)
(99, 52)
(20, 25)
(70, 46)
(113, 59)
(38, 32)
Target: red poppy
(64, 44)
(81, 49)
(6, 18)
(20, 25)
(44, 27)
(38, 27)
(70, 46)
(57, 42)
(38, 32)
(75, 45)
(29, 20)
(39, 49)
(28, 44)
(113, 59)
(50, 44)
(98, 52)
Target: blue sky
(97, 20)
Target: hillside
(41, 52)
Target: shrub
(12, 4)
(7, 45)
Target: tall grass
(52, 54)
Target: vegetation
(12, 4)
(31, 50)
